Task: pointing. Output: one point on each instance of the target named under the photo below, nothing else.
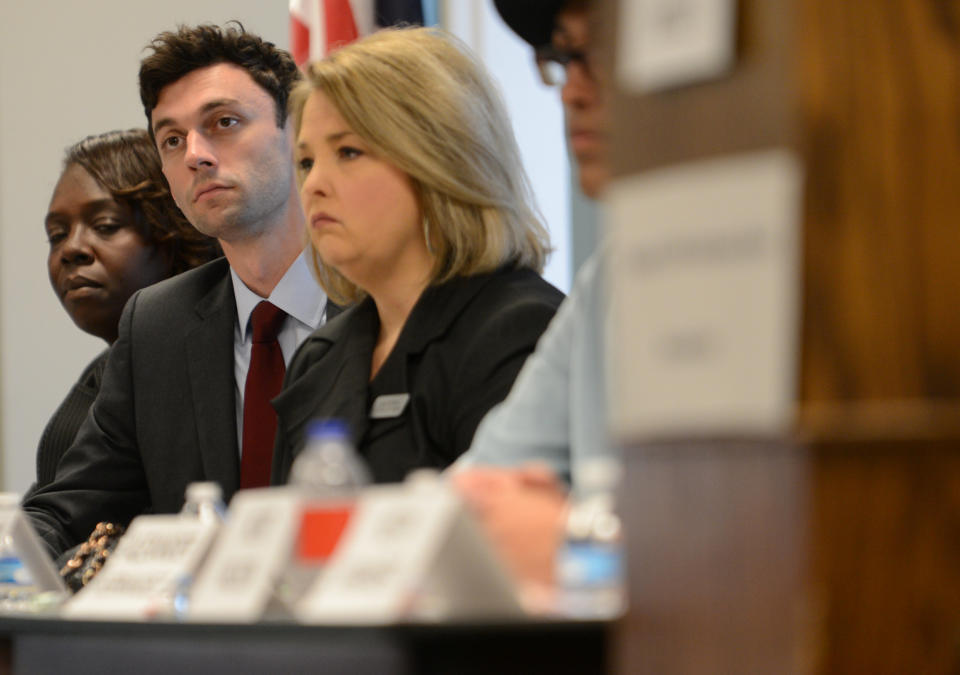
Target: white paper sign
(141, 578)
(666, 43)
(238, 581)
(705, 286)
(410, 553)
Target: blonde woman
(420, 213)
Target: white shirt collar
(297, 293)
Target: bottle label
(12, 571)
(586, 564)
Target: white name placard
(705, 285)
(154, 559)
(411, 553)
(667, 43)
(238, 581)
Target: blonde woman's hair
(424, 104)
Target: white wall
(69, 69)
(536, 114)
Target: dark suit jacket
(165, 415)
(457, 355)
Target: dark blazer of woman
(457, 356)
(62, 427)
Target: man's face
(583, 103)
(229, 166)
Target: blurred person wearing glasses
(530, 447)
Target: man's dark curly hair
(126, 164)
(176, 54)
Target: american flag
(317, 26)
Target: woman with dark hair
(113, 228)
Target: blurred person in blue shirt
(553, 422)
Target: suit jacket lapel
(334, 384)
(334, 310)
(436, 310)
(210, 361)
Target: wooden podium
(834, 546)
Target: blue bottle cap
(328, 428)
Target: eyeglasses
(552, 62)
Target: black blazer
(165, 415)
(457, 356)
(61, 430)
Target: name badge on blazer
(388, 405)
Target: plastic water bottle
(204, 501)
(329, 475)
(590, 560)
(329, 465)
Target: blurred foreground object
(151, 566)
(204, 501)
(590, 560)
(29, 582)
(522, 512)
(329, 475)
(816, 532)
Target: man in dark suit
(176, 405)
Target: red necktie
(264, 379)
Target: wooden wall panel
(885, 556)
(880, 97)
(751, 107)
(716, 544)
(836, 548)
